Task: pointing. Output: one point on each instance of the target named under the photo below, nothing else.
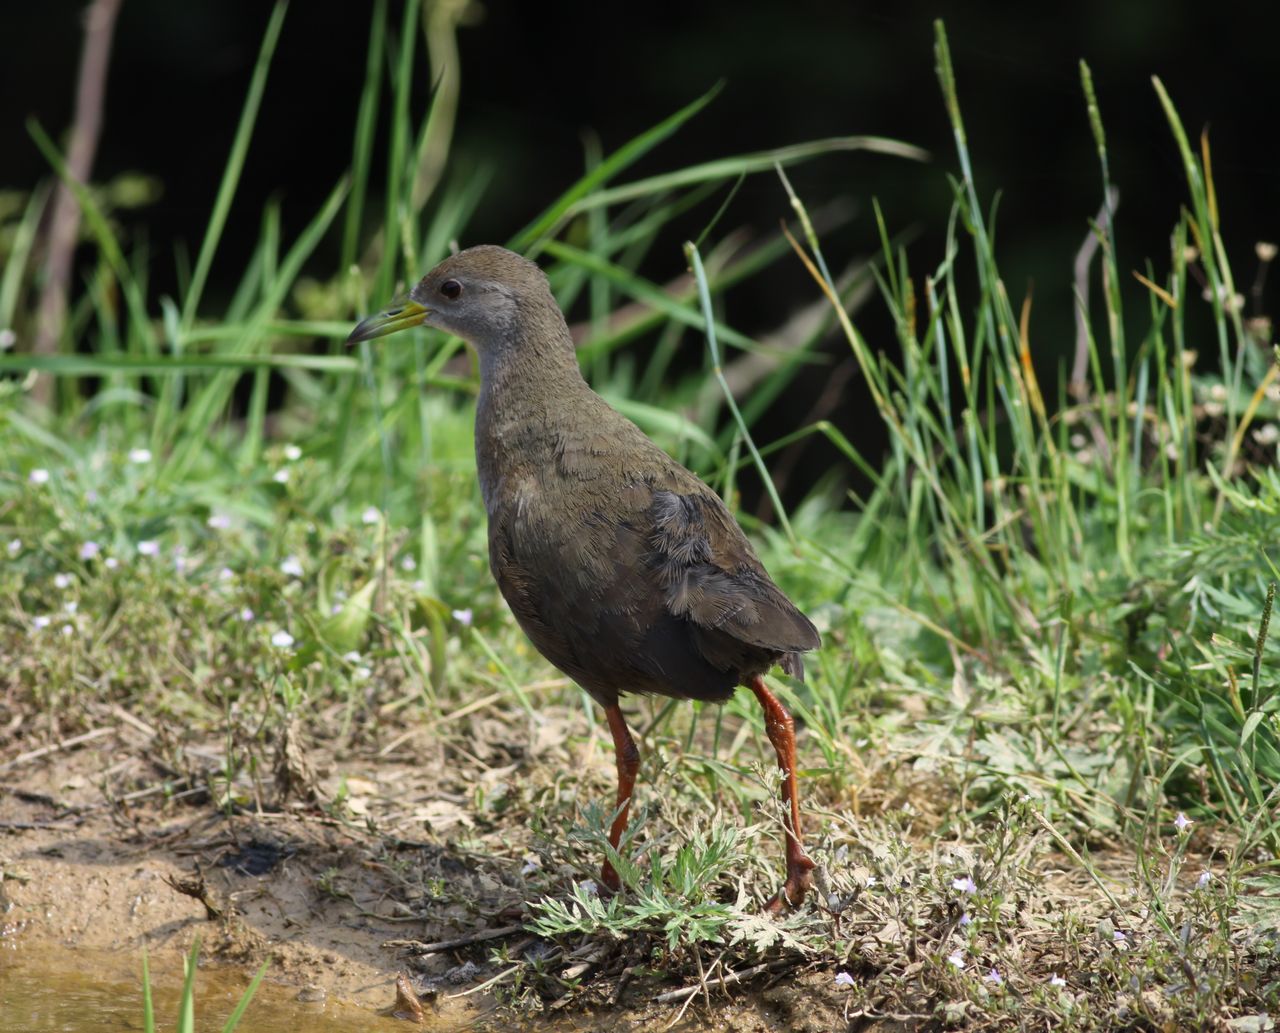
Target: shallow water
(46, 992)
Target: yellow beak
(400, 316)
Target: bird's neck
(525, 382)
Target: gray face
(482, 311)
(475, 295)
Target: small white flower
(149, 548)
(408, 563)
(292, 566)
(590, 888)
(282, 640)
(67, 629)
(463, 617)
(352, 657)
(111, 563)
(61, 580)
(38, 476)
(871, 881)
(1182, 822)
(1057, 980)
(292, 453)
(994, 978)
(361, 674)
(70, 606)
(246, 615)
(88, 550)
(139, 455)
(964, 884)
(41, 622)
(7, 338)
(844, 979)
(15, 546)
(281, 476)
(1203, 881)
(371, 515)
(219, 521)
(956, 960)
(226, 574)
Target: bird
(626, 571)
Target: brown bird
(626, 571)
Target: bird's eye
(451, 289)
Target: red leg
(782, 733)
(628, 757)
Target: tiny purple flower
(1182, 822)
(844, 979)
(463, 617)
(148, 548)
(292, 566)
(371, 515)
(964, 884)
(956, 960)
(1203, 881)
(994, 978)
(89, 550)
(1057, 980)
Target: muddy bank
(402, 878)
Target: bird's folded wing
(710, 575)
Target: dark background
(537, 76)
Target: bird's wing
(710, 574)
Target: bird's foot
(799, 882)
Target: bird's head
(481, 295)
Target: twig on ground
(65, 744)
(418, 947)
(728, 979)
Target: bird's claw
(799, 882)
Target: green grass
(185, 1021)
(1045, 625)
